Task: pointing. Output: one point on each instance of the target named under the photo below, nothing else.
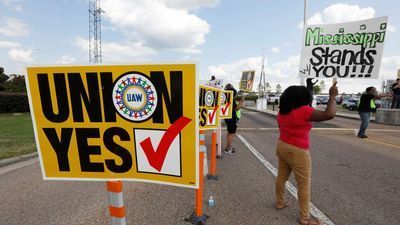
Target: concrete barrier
(249, 103)
(388, 116)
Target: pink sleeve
(306, 112)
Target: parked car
(322, 100)
(346, 103)
(353, 106)
(339, 99)
(272, 98)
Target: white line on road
(289, 186)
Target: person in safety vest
(231, 124)
(366, 105)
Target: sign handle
(198, 217)
(116, 203)
(219, 144)
(213, 164)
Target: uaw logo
(134, 97)
(209, 98)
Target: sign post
(197, 216)
(116, 203)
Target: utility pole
(95, 31)
(261, 85)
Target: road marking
(381, 142)
(289, 186)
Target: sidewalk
(338, 114)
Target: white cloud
(20, 55)
(286, 43)
(159, 24)
(339, 13)
(391, 28)
(190, 4)
(66, 59)
(13, 27)
(116, 52)
(389, 66)
(9, 44)
(283, 72)
(14, 4)
(275, 49)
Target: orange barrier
(199, 191)
(213, 164)
(197, 216)
(116, 203)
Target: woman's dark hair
(294, 97)
(230, 87)
(369, 89)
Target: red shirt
(295, 127)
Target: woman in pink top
(294, 119)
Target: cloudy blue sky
(226, 37)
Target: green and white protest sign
(345, 50)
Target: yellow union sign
(226, 104)
(122, 122)
(209, 107)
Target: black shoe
(363, 136)
(229, 151)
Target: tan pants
(292, 158)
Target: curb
(272, 114)
(6, 162)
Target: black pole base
(211, 177)
(198, 220)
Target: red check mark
(156, 157)
(224, 109)
(211, 116)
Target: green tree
(16, 83)
(3, 79)
(268, 87)
(316, 89)
(322, 85)
(278, 89)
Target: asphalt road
(354, 181)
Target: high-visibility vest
(371, 104)
(238, 112)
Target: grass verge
(16, 135)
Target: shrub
(13, 102)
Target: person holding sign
(396, 94)
(295, 119)
(231, 124)
(365, 106)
